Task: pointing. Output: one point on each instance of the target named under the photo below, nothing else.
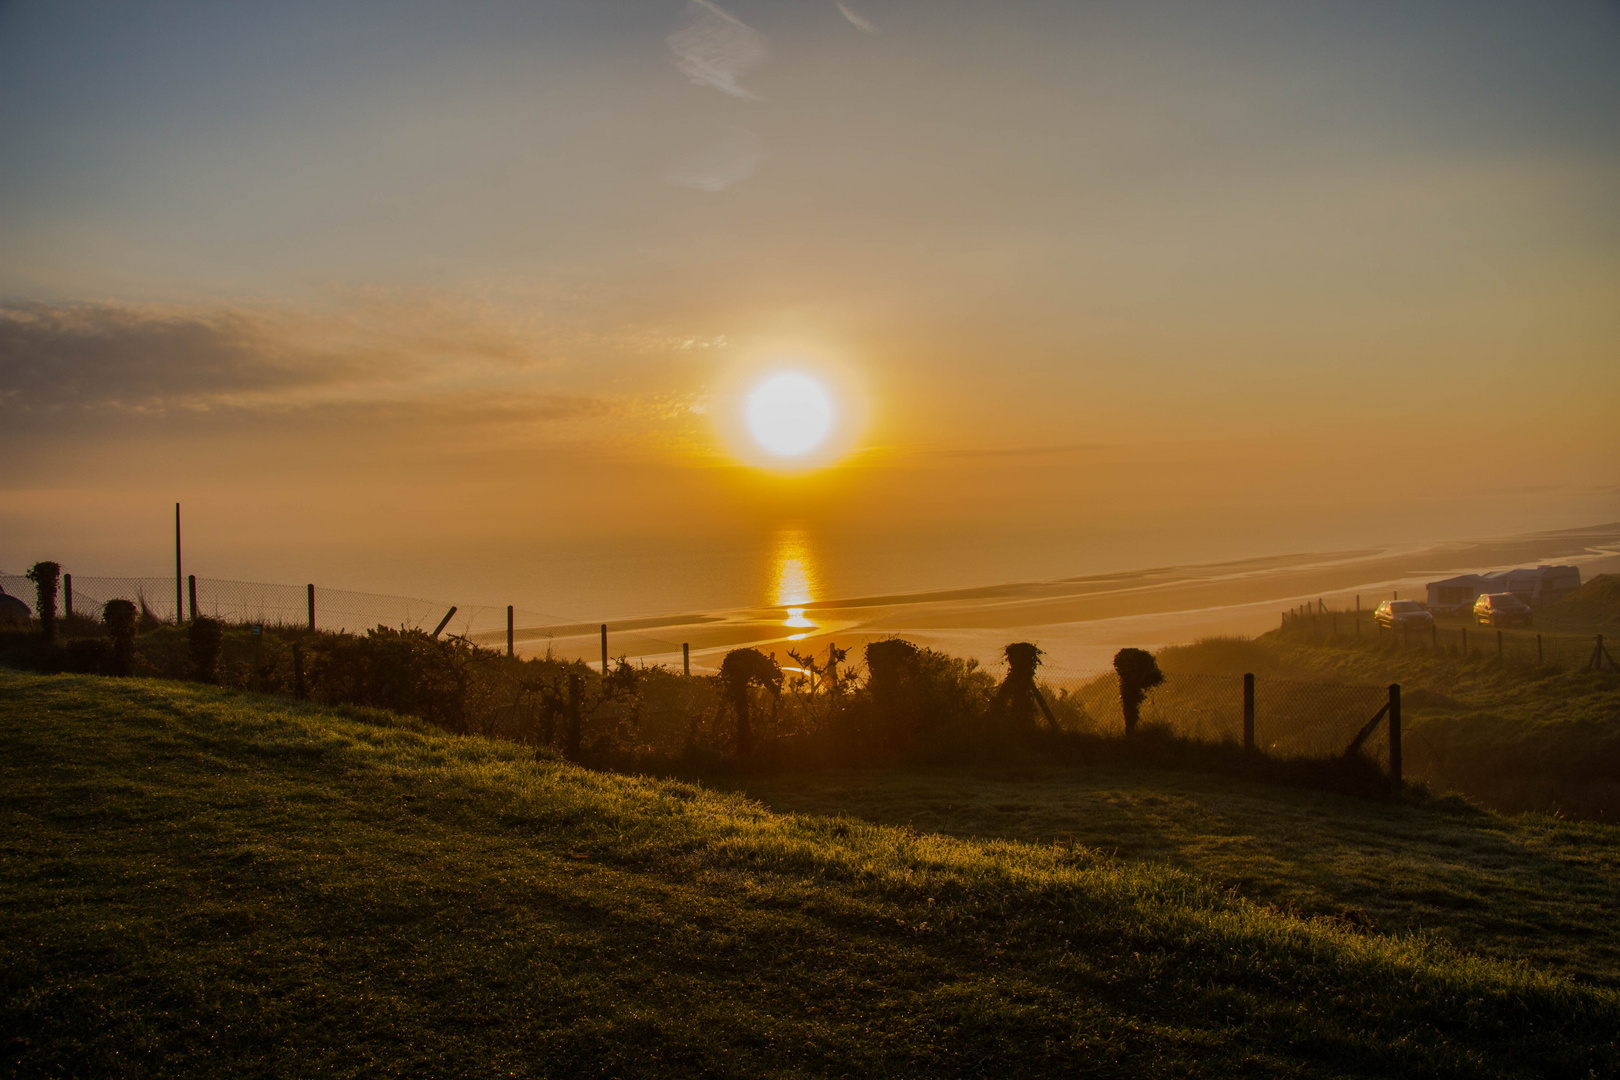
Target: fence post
(1248, 711)
(179, 581)
(191, 594)
(572, 736)
(1395, 733)
(508, 629)
(67, 589)
(686, 658)
(604, 650)
(311, 589)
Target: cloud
(67, 364)
(55, 356)
(715, 48)
(855, 18)
(727, 158)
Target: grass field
(197, 882)
(1509, 736)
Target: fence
(280, 605)
(1521, 647)
(1284, 718)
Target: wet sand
(1081, 621)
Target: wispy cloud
(87, 363)
(715, 48)
(726, 159)
(859, 21)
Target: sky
(420, 297)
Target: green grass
(197, 882)
(1521, 888)
(1510, 736)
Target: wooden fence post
(686, 658)
(508, 629)
(67, 590)
(311, 589)
(1395, 733)
(191, 593)
(179, 581)
(1248, 711)
(444, 622)
(571, 738)
(604, 650)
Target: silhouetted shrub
(205, 636)
(1138, 673)
(741, 669)
(118, 616)
(408, 671)
(86, 656)
(46, 576)
(1018, 698)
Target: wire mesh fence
(280, 605)
(1516, 645)
(1292, 719)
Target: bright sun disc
(789, 414)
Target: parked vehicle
(1502, 609)
(1393, 613)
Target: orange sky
(1139, 279)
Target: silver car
(1502, 609)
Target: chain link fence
(1524, 647)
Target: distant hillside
(1595, 604)
(198, 882)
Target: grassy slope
(202, 883)
(1514, 738)
(1524, 888)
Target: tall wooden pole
(686, 658)
(1248, 711)
(604, 649)
(508, 629)
(1395, 733)
(179, 576)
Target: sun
(789, 414)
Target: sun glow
(789, 414)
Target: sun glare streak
(794, 578)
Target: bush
(118, 616)
(1138, 673)
(205, 636)
(46, 576)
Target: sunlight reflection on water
(793, 576)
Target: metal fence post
(1395, 733)
(191, 593)
(67, 590)
(1248, 711)
(604, 650)
(311, 589)
(508, 629)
